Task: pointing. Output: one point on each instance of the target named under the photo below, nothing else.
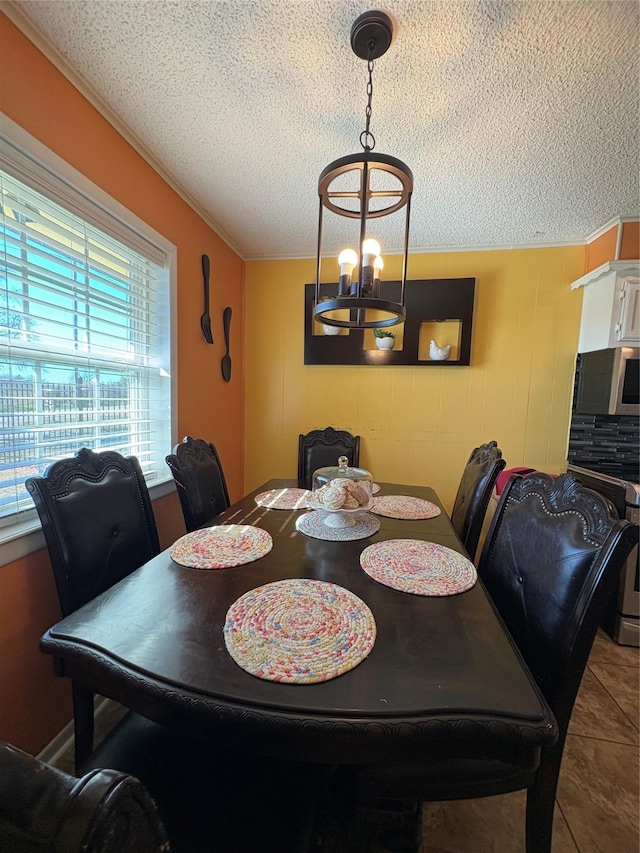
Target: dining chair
(550, 562)
(323, 447)
(99, 526)
(200, 482)
(217, 800)
(45, 810)
(474, 493)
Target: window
(84, 339)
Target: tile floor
(597, 807)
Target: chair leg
(541, 799)
(82, 722)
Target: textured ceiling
(519, 120)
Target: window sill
(26, 537)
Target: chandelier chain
(369, 141)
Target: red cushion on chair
(504, 476)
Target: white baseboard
(64, 740)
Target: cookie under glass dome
(341, 491)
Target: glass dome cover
(342, 488)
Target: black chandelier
(368, 201)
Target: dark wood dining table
(443, 678)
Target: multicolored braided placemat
(299, 631)
(404, 506)
(312, 524)
(221, 547)
(418, 567)
(283, 499)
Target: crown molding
(616, 222)
(46, 47)
(612, 223)
(615, 268)
(434, 250)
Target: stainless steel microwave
(609, 382)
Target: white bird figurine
(437, 353)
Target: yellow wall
(419, 424)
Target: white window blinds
(84, 343)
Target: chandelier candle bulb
(378, 266)
(347, 260)
(370, 251)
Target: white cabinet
(627, 325)
(610, 306)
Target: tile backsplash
(608, 444)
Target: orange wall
(630, 243)
(602, 249)
(33, 704)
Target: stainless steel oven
(622, 620)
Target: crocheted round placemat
(283, 499)
(221, 547)
(418, 567)
(312, 524)
(404, 506)
(299, 631)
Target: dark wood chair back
(474, 493)
(321, 448)
(200, 482)
(97, 520)
(553, 553)
(99, 526)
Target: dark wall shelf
(428, 301)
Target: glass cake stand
(338, 517)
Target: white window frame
(28, 160)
